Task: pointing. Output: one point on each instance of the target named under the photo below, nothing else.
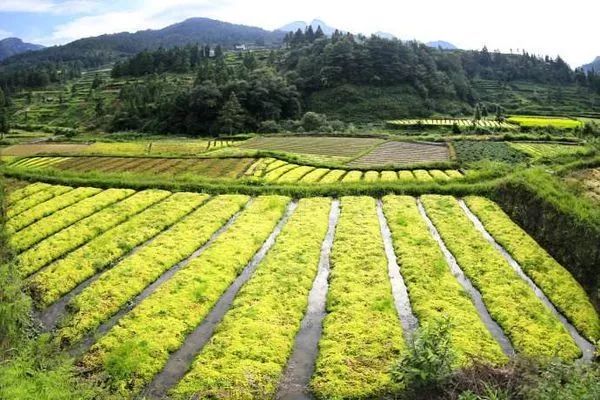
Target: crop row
(83, 231)
(450, 122)
(65, 274)
(246, 357)
(554, 280)
(49, 207)
(531, 327)
(39, 197)
(25, 191)
(117, 286)
(538, 150)
(362, 335)
(61, 219)
(434, 292)
(282, 172)
(139, 345)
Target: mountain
(594, 65)
(442, 45)
(294, 26)
(95, 51)
(11, 46)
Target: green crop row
(59, 220)
(554, 280)
(65, 274)
(81, 232)
(120, 284)
(23, 192)
(138, 347)
(434, 292)
(35, 199)
(362, 335)
(49, 207)
(295, 174)
(531, 327)
(246, 357)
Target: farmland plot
(206, 295)
(402, 153)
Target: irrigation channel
(180, 361)
(586, 347)
(485, 316)
(399, 291)
(301, 365)
(90, 339)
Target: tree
(477, 115)
(231, 117)
(4, 123)
(319, 33)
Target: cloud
(69, 7)
(5, 34)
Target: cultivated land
(399, 153)
(133, 311)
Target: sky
(550, 27)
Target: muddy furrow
(181, 360)
(484, 314)
(587, 348)
(399, 291)
(301, 365)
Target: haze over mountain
(594, 65)
(11, 46)
(294, 26)
(442, 45)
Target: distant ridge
(594, 65)
(442, 45)
(11, 46)
(302, 25)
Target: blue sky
(542, 27)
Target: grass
(532, 328)
(362, 335)
(61, 219)
(246, 357)
(434, 292)
(85, 230)
(49, 207)
(544, 122)
(120, 284)
(65, 274)
(554, 280)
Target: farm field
(268, 169)
(196, 295)
(23, 150)
(483, 123)
(403, 153)
(548, 150)
(544, 122)
(336, 148)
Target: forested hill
(11, 46)
(95, 51)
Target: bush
(312, 121)
(429, 358)
(269, 126)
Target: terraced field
(399, 153)
(587, 181)
(198, 296)
(268, 169)
(543, 122)
(483, 123)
